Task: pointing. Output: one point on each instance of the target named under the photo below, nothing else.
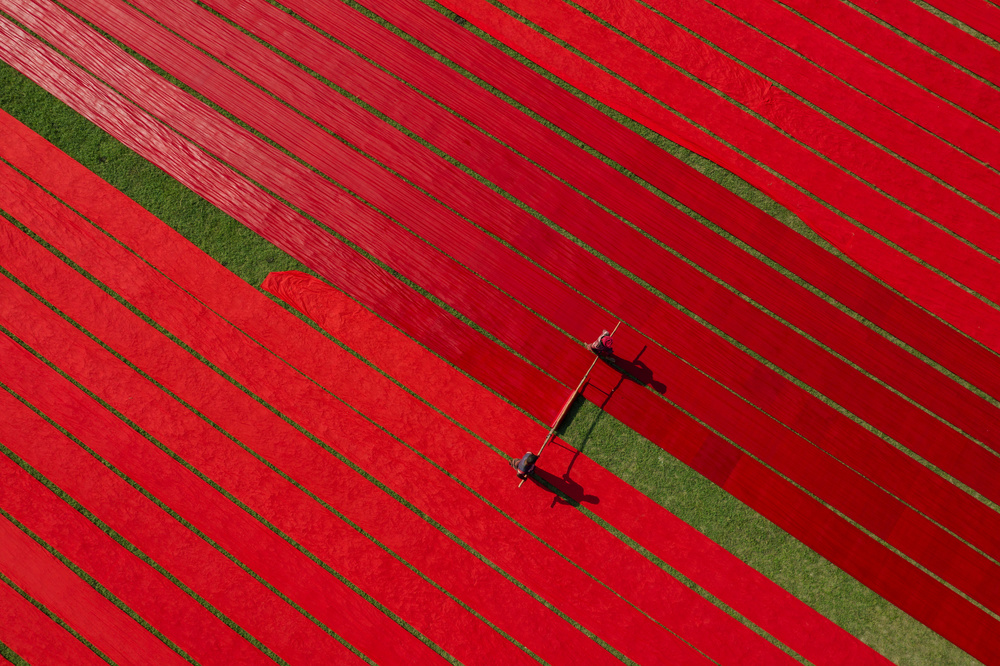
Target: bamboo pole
(565, 408)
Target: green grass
(636, 460)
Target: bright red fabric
(682, 547)
(949, 40)
(154, 598)
(403, 470)
(491, 260)
(882, 124)
(589, 223)
(34, 570)
(376, 572)
(36, 638)
(737, 585)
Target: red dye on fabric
(153, 597)
(34, 570)
(36, 638)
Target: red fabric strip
(594, 226)
(35, 637)
(682, 547)
(950, 41)
(348, 552)
(788, 248)
(403, 470)
(41, 575)
(762, 601)
(761, 142)
(881, 124)
(856, 506)
(154, 598)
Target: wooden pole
(565, 408)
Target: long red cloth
(949, 40)
(372, 569)
(35, 637)
(154, 598)
(960, 127)
(911, 60)
(883, 125)
(39, 574)
(402, 469)
(868, 399)
(727, 578)
(600, 230)
(219, 580)
(833, 489)
(760, 141)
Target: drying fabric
(494, 262)
(349, 553)
(963, 583)
(679, 545)
(735, 583)
(144, 590)
(909, 59)
(221, 582)
(34, 570)
(760, 141)
(663, 170)
(588, 222)
(266, 216)
(950, 41)
(875, 80)
(847, 105)
(374, 450)
(36, 638)
(980, 15)
(304, 582)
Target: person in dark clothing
(525, 465)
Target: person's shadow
(563, 488)
(635, 371)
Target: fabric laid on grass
(259, 212)
(832, 489)
(85, 90)
(680, 546)
(374, 570)
(588, 222)
(861, 113)
(830, 535)
(875, 404)
(36, 637)
(761, 142)
(220, 581)
(764, 602)
(927, 69)
(403, 470)
(876, 80)
(144, 590)
(373, 232)
(39, 574)
(950, 41)
(862, 294)
(980, 15)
